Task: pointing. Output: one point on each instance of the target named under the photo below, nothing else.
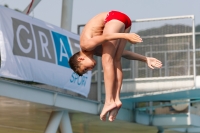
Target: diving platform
(47, 99)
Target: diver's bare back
(94, 27)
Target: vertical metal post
(99, 79)
(194, 50)
(66, 17)
(150, 113)
(150, 74)
(65, 124)
(146, 67)
(132, 65)
(151, 109)
(54, 122)
(166, 66)
(188, 63)
(134, 111)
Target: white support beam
(174, 120)
(54, 122)
(34, 94)
(43, 96)
(65, 124)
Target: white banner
(33, 50)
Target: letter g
(21, 27)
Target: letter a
(62, 47)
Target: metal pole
(66, 17)
(188, 62)
(31, 6)
(194, 51)
(163, 18)
(65, 124)
(133, 68)
(99, 79)
(166, 65)
(54, 122)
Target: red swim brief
(118, 16)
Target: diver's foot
(113, 113)
(106, 108)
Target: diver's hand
(153, 63)
(134, 38)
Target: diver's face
(86, 64)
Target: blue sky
(83, 10)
